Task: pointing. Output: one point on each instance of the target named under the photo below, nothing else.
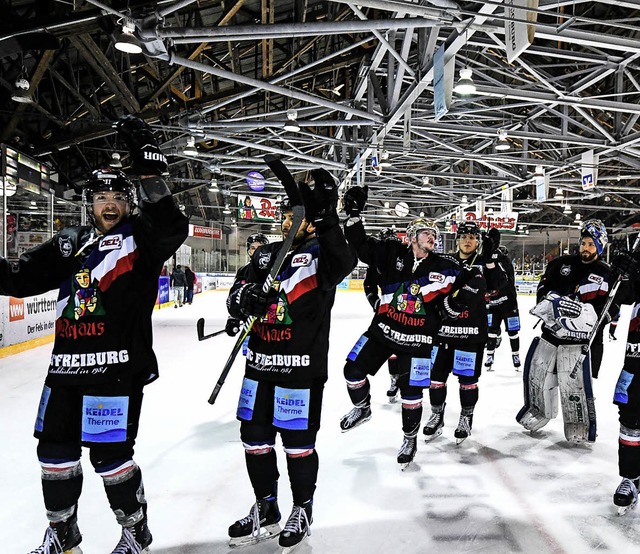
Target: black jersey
(108, 285)
(471, 327)
(589, 283)
(412, 291)
(291, 341)
(506, 295)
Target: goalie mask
(107, 180)
(595, 229)
(422, 224)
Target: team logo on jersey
(565, 270)
(263, 259)
(278, 312)
(409, 300)
(594, 278)
(399, 264)
(436, 277)
(64, 243)
(84, 299)
(111, 242)
(301, 260)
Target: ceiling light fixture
(567, 209)
(539, 171)
(21, 91)
(503, 143)
(465, 84)
(115, 161)
(226, 210)
(559, 194)
(291, 124)
(126, 40)
(190, 149)
(213, 186)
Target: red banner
(205, 232)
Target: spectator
(178, 284)
(191, 279)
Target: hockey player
(571, 295)
(627, 392)
(102, 356)
(416, 284)
(461, 341)
(372, 291)
(254, 241)
(503, 306)
(286, 364)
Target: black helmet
(284, 206)
(468, 228)
(256, 237)
(502, 250)
(103, 180)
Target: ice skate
(515, 356)
(261, 524)
(393, 388)
(626, 495)
(357, 416)
(433, 428)
(61, 538)
(464, 427)
(297, 528)
(134, 540)
(488, 363)
(612, 337)
(407, 451)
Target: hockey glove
(320, 203)
(490, 243)
(146, 156)
(232, 328)
(355, 200)
(627, 263)
(374, 301)
(564, 306)
(252, 301)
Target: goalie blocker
(547, 373)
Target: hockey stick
(200, 329)
(291, 188)
(603, 314)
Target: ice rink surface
(502, 490)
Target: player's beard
(588, 257)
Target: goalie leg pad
(576, 396)
(540, 386)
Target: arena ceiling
(358, 76)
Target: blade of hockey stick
(291, 188)
(603, 315)
(200, 329)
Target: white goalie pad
(541, 383)
(576, 397)
(577, 328)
